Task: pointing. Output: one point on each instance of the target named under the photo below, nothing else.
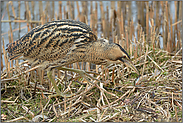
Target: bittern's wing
(52, 40)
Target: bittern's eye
(124, 57)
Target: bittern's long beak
(128, 63)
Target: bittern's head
(117, 54)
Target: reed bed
(153, 40)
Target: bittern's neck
(100, 52)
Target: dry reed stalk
(151, 10)
(130, 32)
(119, 28)
(139, 12)
(17, 119)
(78, 9)
(47, 13)
(30, 19)
(96, 25)
(126, 37)
(5, 58)
(13, 10)
(56, 16)
(168, 43)
(91, 15)
(69, 110)
(180, 13)
(147, 22)
(53, 10)
(175, 27)
(155, 63)
(122, 42)
(72, 9)
(103, 19)
(40, 9)
(88, 66)
(164, 26)
(19, 6)
(68, 9)
(19, 28)
(71, 6)
(60, 9)
(1, 62)
(42, 20)
(113, 32)
(50, 83)
(19, 21)
(136, 48)
(112, 16)
(122, 24)
(77, 64)
(8, 68)
(64, 104)
(138, 31)
(82, 15)
(119, 8)
(65, 14)
(142, 20)
(157, 22)
(141, 42)
(107, 23)
(83, 11)
(86, 90)
(166, 21)
(27, 15)
(46, 10)
(96, 16)
(169, 23)
(33, 9)
(179, 40)
(11, 39)
(172, 41)
(86, 9)
(130, 10)
(152, 29)
(117, 99)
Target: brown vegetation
(158, 95)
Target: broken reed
(116, 23)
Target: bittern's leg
(49, 74)
(81, 72)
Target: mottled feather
(51, 40)
(63, 42)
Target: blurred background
(131, 24)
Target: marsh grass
(158, 95)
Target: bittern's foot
(49, 74)
(84, 74)
(81, 72)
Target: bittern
(59, 43)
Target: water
(16, 34)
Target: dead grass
(157, 97)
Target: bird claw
(83, 73)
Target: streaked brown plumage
(62, 42)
